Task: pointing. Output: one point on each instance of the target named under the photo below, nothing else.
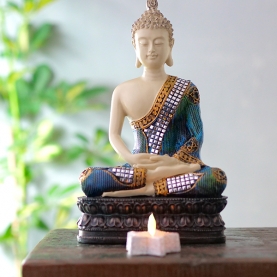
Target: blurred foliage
(34, 140)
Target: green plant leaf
(42, 3)
(82, 138)
(47, 152)
(23, 89)
(7, 235)
(106, 160)
(14, 6)
(61, 195)
(25, 93)
(28, 6)
(28, 209)
(14, 76)
(4, 170)
(101, 136)
(28, 173)
(5, 54)
(62, 216)
(74, 91)
(89, 160)
(10, 43)
(44, 130)
(52, 190)
(23, 38)
(92, 92)
(86, 99)
(41, 35)
(40, 224)
(50, 97)
(40, 199)
(42, 77)
(3, 91)
(74, 152)
(64, 191)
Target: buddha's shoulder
(187, 82)
(192, 93)
(127, 86)
(190, 86)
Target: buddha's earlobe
(169, 60)
(138, 63)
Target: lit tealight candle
(152, 242)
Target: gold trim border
(159, 101)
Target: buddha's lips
(152, 56)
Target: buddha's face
(152, 47)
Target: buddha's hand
(140, 160)
(166, 166)
(156, 161)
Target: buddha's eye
(143, 42)
(159, 42)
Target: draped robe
(173, 126)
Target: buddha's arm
(193, 117)
(189, 152)
(117, 115)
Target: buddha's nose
(151, 51)
(151, 48)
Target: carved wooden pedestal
(107, 220)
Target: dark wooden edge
(120, 237)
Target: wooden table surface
(248, 252)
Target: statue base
(107, 220)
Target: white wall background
(227, 48)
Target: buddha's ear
(172, 43)
(138, 63)
(169, 60)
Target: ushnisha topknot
(152, 4)
(152, 19)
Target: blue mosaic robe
(173, 126)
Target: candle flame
(151, 226)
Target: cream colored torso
(137, 96)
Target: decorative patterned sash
(177, 184)
(133, 177)
(162, 95)
(160, 119)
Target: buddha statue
(164, 114)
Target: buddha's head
(153, 24)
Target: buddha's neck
(154, 74)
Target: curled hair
(152, 19)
